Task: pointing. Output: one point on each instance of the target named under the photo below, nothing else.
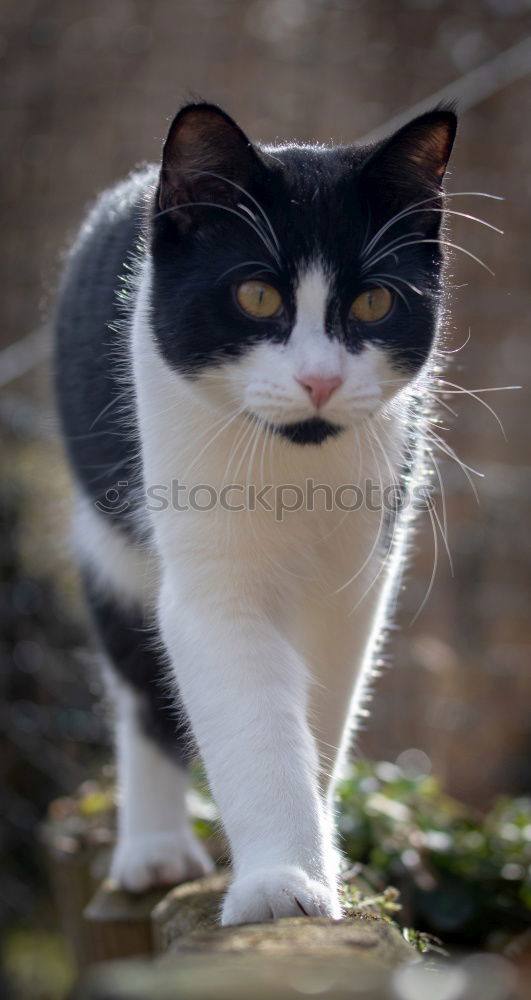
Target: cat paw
(146, 861)
(283, 891)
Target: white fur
(126, 570)
(269, 641)
(155, 843)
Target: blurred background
(87, 91)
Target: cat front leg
(155, 842)
(245, 691)
(155, 845)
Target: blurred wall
(88, 88)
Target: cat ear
(206, 158)
(412, 163)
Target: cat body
(262, 372)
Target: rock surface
(246, 977)
(193, 906)
(368, 939)
(280, 960)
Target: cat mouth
(314, 430)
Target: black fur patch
(132, 650)
(312, 431)
(95, 402)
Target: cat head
(298, 285)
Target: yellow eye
(372, 305)
(258, 299)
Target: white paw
(283, 891)
(156, 859)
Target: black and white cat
(247, 318)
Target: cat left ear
(415, 156)
(206, 158)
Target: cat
(246, 318)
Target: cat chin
(315, 430)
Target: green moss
(462, 876)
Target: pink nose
(320, 389)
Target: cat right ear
(412, 162)
(206, 159)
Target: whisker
(411, 208)
(447, 450)
(224, 208)
(388, 249)
(250, 213)
(455, 350)
(473, 395)
(388, 282)
(240, 437)
(227, 180)
(459, 390)
(434, 570)
(442, 402)
(397, 277)
(393, 482)
(445, 243)
(247, 263)
(250, 436)
(265, 437)
(109, 406)
(467, 215)
(356, 478)
(444, 528)
(377, 539)
(259, 426)
(214, 437)
(453, 454)
(450, 211)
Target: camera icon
(113, 500)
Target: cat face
(297, 285)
